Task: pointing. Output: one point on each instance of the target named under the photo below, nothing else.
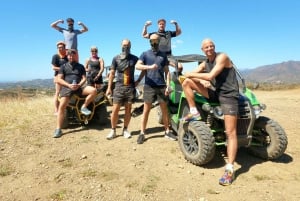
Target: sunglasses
(60, 47)
(94, 51)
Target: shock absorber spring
(209, 120)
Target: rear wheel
(269, 139)
(101, 115)
(196, 142)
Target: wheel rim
(190, 143)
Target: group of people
(154, 65)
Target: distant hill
(35, 83)
(285, 72)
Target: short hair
(126, 39)
(94, 48)
(161, 20)
(61, 43)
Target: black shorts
(229, 105)
(67, 92)
(123, 94)
(154, 93)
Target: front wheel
(196, 142)
(269, 139)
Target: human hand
(153, 67)
(108, 92)
(74, 87)
(79, 23)
(168, 90)
(61, 21)
(148, 23)
(96, 77)
(173, 22)
(205, 83)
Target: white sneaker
(112, 134)
(126, 134)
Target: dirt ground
(83, 165)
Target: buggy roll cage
(200, 58)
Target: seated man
(72, 77)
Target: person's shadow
(150, 131)
(244, 158)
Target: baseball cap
(70, 20)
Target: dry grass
(20, 114)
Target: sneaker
(191, 117)
(112, 134)
(126, 134)
(170, 136)
(57, 133)
(227, 178)
(85, 111)
(141, 139)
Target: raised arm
(84, 28)
(178, 29)
(144, 31)
(55, 24)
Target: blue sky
(252, 32)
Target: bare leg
(165, 116)
(115, 115)
(147, 108)
(230, 127)
(61, 111)
(57, 89)
(127, 114)
(189, 86)
(91, 93)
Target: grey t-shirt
(71, 38)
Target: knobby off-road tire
(196, 142)
(272, 138)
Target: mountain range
(285, 72)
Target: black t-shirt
(72, 72)
(125, 69)
(58, 61)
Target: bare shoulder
(223, 58)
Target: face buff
(70, 27)
(125, 52)
(154, 44)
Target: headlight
(218, 112)
(257, 110)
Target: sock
(229, 167)
(193, 110)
